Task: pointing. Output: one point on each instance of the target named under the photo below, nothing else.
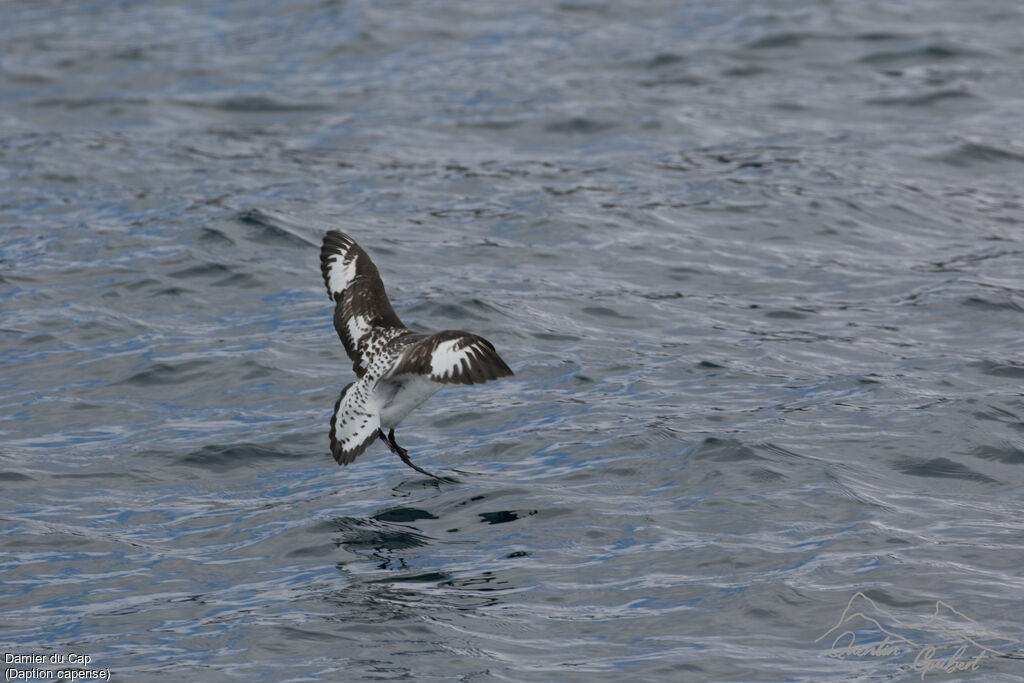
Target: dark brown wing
(363, 316)
(452, 357)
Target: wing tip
(480, 364)
(498, 370)
(335, 244)
(492, 365)
(343, 457)
(336, 238)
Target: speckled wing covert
(363, 315)
(451, 357)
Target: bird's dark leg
(403, 454)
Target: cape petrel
(396, 368)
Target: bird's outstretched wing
(451, 357)
(353, 425)
(363, 315)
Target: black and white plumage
(396, 368)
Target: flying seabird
(396, 368)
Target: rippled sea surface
(757, 267)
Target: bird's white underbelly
(398, 396)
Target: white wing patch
(341, 270)
(451, 357)
(446, 359)
(362, 312)
(358, 326)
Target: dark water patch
(796, 335)
(791, 106)
(469, 214)
(880, 36)
(66, 178)
(723, 450)
(173, 292)
(940, 468)
(317, 550)
(922, 54)
(113, 105)
(683, 273)
(786, 315)
(255, 370)
(605, 312)
(972, 153)
(8, 476)
(890, 599)
(168, 373)
(464, 503)
(473, 309)
(415, 483)
(566, 191)
(141, 283)
(368, 534)
(1006, 452)
(578, 125)
(203, 270)
(973, 259)
(276, 229)
(224, 458)
(241, 280)
(746, 71)
(780, 40)
(257, 104)
(663, 296)
(654, 437)
(455, 420)
(295, 634)
(1011, 369)
(492, 124)
(929, 99)
(436, 310)
(83, 476)
(403, 514)
(486, 582)
(663, 59)
(989, 305)
(97, 330)
(212, 237)
(504, 516)
(555, 336)
(997, 414)
(436, 577)
(777, 450)
(27, 77)
(763, 475)
(667, 78)
(582, 6)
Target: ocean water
(757, 267)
